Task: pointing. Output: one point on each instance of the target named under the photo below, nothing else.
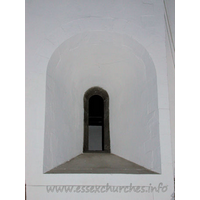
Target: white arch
(119, 64)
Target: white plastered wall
(48, 25)
(170, 51)
(125, 70)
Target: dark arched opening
(95, 132)
(96, 121)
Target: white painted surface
(56, 36)
(170, 52)
(127, 73)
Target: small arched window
(96, 121)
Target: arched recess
(124, 68)
(106, 132)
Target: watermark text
(106, 188)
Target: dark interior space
(96, 114)
(96, 108)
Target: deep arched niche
(128, 72)
(105, 126)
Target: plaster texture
(119, 46)
(170, 52)
(127, 73)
